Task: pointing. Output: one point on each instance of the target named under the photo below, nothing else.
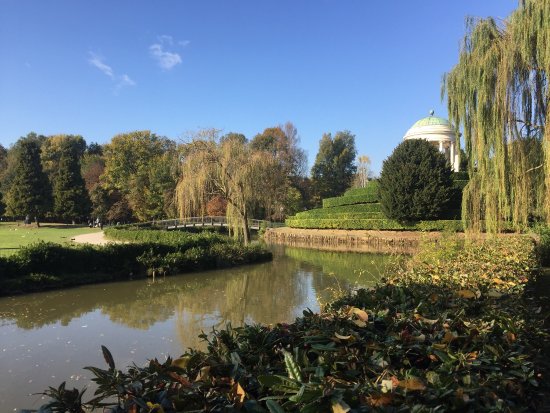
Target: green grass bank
(14, 235)
(47, 265)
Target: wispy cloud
(123, 81)
(163, 52)
(97, 61)
(120, 80)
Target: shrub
(48, 265)
(349, 200)
(376, 224)
(344, 209)
(415, 182)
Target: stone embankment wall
(405, 242)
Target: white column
(457, 160)
(452, 156)
(441, 146)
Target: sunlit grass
(14, 235)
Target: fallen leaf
(341, 337)
(239, 393)
(466, 294)
(340, 407)
(448, 337)
(204, 373)
(380, 400)
(360, 323)
(412, 384)
(387, 386)
(361, 314)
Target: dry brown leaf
(361, 314)
(448, 337)
(380, 400)
(341, 337)
(466, 294)
(412, 384)
(360, 323)
(340, 407)
(238, 392)
(204, 373)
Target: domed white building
(440, 133)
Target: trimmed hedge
(376, 224)
(370, 189)
(342, 215)
(349, 200)
(183, 239)
(48, 265)
(356, 208)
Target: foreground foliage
(456, 330)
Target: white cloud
(124, 80)
(120, 80)
(163, 52)
(164, 38)
(166, 60)
(97, 61)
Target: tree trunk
(246, 230)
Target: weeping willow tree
(229, 168)
(498, 95)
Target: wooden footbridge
(208, 221)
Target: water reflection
(57, 333)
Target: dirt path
(96, 238)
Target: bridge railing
(206, 221)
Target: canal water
(46, 338)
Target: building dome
(431, 128)
(439, 132)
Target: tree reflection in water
(263, 293)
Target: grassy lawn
(15, 235)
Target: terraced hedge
(359, 208)
(344, 209)
(375, 224)
(353, 196)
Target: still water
(47, 338)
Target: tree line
(141, 176)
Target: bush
(48, 265)
(376, 224)
(370, 189)
(415, 182)
(349, 200)
(344, 209)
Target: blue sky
(98, 68)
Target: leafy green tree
(70, 198)
(139, 166)
(415, 182)
(334, 168)
(30, 192)
(9, 160)
(53, 148)
(2, 205)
